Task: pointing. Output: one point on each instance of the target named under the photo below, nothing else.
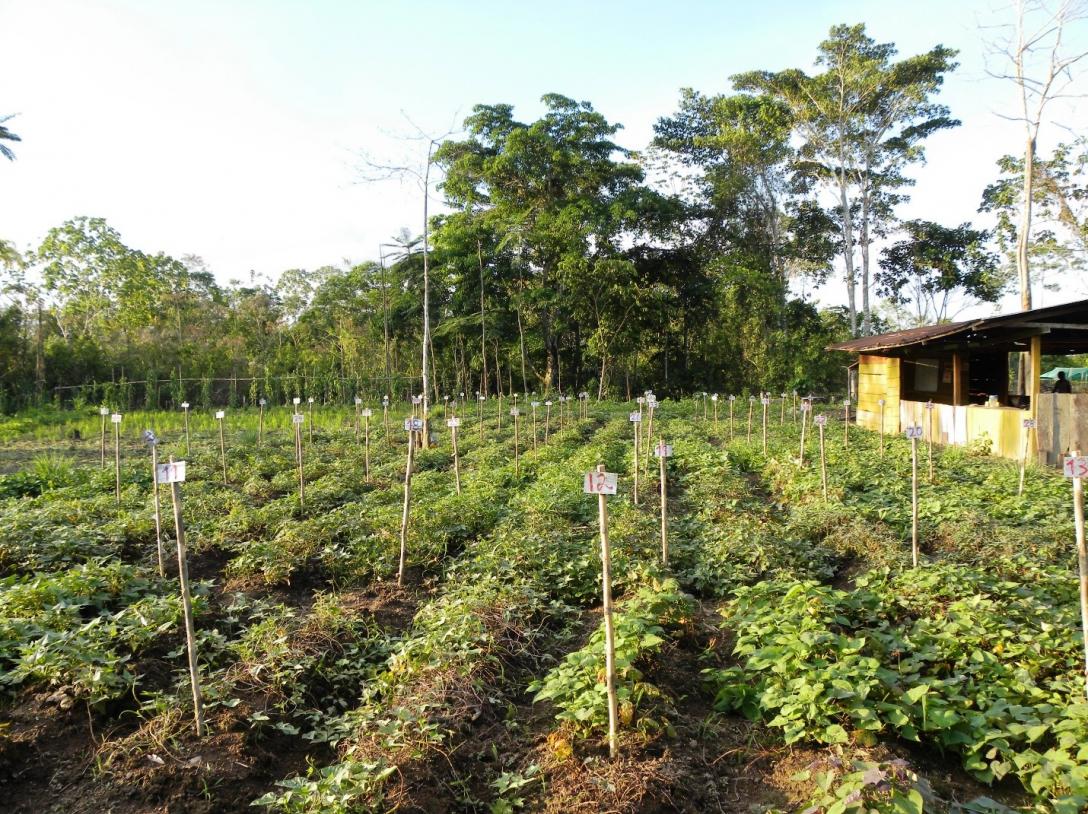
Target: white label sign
(846, 402)
(298, 418)
(732, 398)
(714, 397)
(367, 413)
(296, 400)
(600, 483)
(453, 422)
(515, 411)
(765, 401)
(547, 404)
(358, 401)
(310, 400)
(1076, 466)
(185, 405)
(411, 424)
(929, 405)
(820, 420)
(635, 417)
(116, 418)
(1030, 423)
(914, 433)
(806, 406)
(663, 450)
(880, 402)
(417, 399)
(220, 414)
(103, 410)
(534, 404)
(262, 402)
(171, 473)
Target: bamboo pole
(116, 418)
(823, 457)
(222, 445)
(1082, 559)
(406, 508)
(158, 510)
(104, 411)
(914, 498)
(662, 448)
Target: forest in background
(564, 262)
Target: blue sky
(230, 130)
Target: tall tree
(860, 121)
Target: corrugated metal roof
(898, 339)
(928, 333)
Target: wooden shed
(964, 369)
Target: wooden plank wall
(878, 378)
(1063, 425)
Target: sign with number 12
(600, 483)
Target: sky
(236, 131)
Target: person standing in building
(1062, 385)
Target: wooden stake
(664, 506)
(880, 404)
(222, 448)
(782, 411)
(534, 424)
(407, 506)
(456, 460)
(187, 607)
(846, 425)
(310, 412)
(260, 425)
(366, 446)
(732, 401)
(823, 461)
(1082, 563)
(634, 493)
(914, 499)
(117, 460)
(804, 426)
(517, 461)
(185, 407)
(158, 511)
(765, 401)
(103, 444)
(609, 632)
(301, 477)
(751, 407)
(547, 420)
(715, 413)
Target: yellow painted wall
(878, 378)
(1004, 426)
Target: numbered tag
(116, 418)
(784, 395)
(103, 410)
(149, 438)
(663, 450)
(170, 473)
(453, 422)
(262, 402)
(714, 397)
(880, 402)
(220, 414)
(385, 400)
(417, 399)
(732, 398)
(413, 424)
(583, 395)
(1076, 466)
(298, 418)
(296, 400)
(806, 406)
(184, 406)
(1030, 423)
(914, 433)
(634, 417)
(765, 401)
(640, 400)
(534, 404)
(366, 413)
(820, 420)
(846, 402)
(547, 404)
(929, 405)
(482, 398)
(600, 483)
(358, 401)
(515, 411)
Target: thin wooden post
(310, 413)
(804, 426)
(782, 411)
(517, 461)
(751, 408)
(609, 632)
(1029, 426)
(661, 446)
(158, 510)
(929, 440)
(116, 419)
(185, 409)
(406, 508)
(732, 401)
(260, 425)
(453, 422)
(914, 498)
(187, 607)
(846, 424)
(366, 444)
(534, 405)
(714, 398)
(765, 402)
(222, 445)
(358, 403)
(823, 457)
(103, 411)
(1082, 558)
(298, 457)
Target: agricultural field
(788, 657)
